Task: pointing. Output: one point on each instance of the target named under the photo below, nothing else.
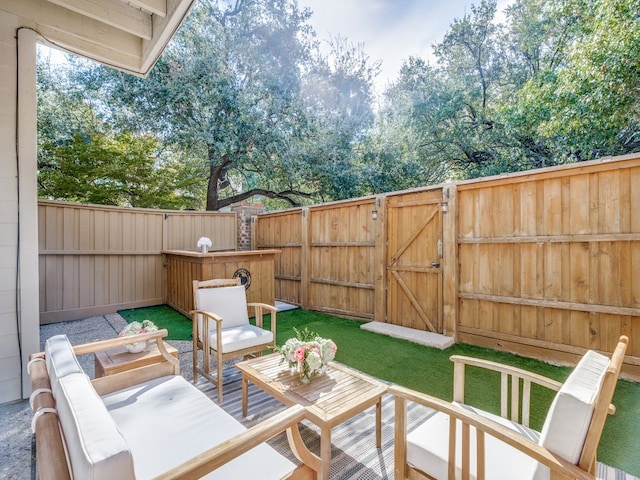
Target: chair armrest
(266, 306)
(101, 345)
(206, 316)
(559, 467)
(506, 372)
(219, 455)
(194, 314)
(258, 307)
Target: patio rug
(354, 453)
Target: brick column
(245, 211)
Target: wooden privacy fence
(95, 260)
(543, 263)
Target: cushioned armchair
(221, 326)
(457, 441)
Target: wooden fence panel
(283, 231)
(548, 260)
(341, 258)
(95, 260)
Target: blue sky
(391, 30)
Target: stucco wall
(10, 385)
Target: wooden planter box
(256, 268)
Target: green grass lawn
(430, 371)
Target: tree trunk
(217, 179)
(212, 189)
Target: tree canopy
(243, 103)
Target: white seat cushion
(167, 421)
(428, 449)
(238, 338)
(96, 449)
(229, 303)
(60, 360)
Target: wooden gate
(414, 254)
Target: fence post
(305, 257)
(380, 260)
(449, 267)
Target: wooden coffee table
(330, 399)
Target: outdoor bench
(148, 422)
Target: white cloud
(391, 30)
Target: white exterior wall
(19, 322)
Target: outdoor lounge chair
(221, 326)
(459, 441)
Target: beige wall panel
(96, 259)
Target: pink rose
(299, 354)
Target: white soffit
(126, 34)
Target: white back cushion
(97, 450)
(60, 359)
(565, 428)
(229, 303)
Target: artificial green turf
(178, 326)
(429, 370)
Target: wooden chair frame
(560, 468)
(216, 350)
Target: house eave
(121, 34)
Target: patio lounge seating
(221, 326)
(459, 441)
(148, 422)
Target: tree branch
(286, 195)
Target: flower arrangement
(204, 243)
(307, 353)
(134, 328)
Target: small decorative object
(307, 353)
(134, 328)
(203, 244)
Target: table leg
(325, 452)
(379, 423)
(245, 395)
